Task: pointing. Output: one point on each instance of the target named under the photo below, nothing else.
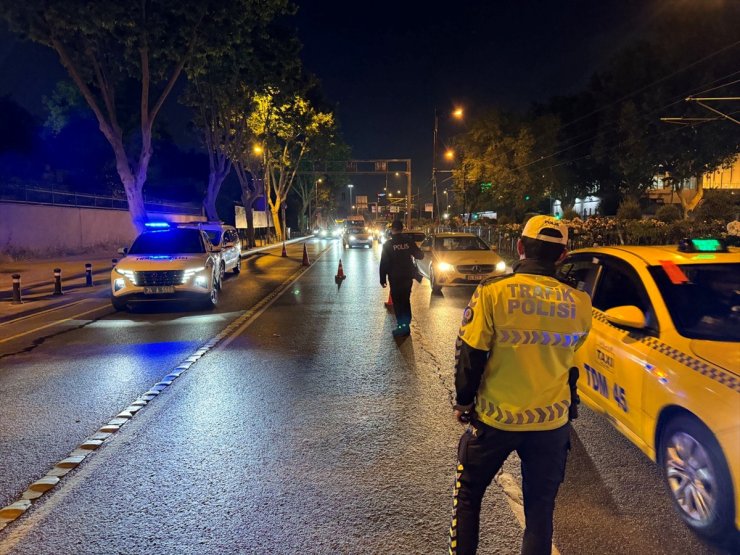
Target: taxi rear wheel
(238, 267)
(697, 477)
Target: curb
(53, 477)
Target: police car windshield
(174, 241)
(703, 300)
(459, 244)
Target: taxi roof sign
(706, 244)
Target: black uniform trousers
(401, 297)
(481, 454)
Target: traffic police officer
(397, 266)
(513, 357)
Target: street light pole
(408, 197)
(435, 201)
(350, 186)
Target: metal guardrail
(51, 197)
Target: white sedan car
(452, 259)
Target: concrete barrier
(47, 230)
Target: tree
(106, 44)
(497, 149)
(286, 125)
(316, 190)
(254, 56)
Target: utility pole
(435, 201)
(408, 196)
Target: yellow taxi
(662, 363)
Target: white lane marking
(60, 307)
(55, 323)
(515, 498)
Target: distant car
(227, 243)
(453, 259)
(357, 236)
(167, 263)
(662, 364)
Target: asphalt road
(309, 430)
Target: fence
(37, 195)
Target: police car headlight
(352, 238)
(501, 266)
(119, 284)
(445, 267)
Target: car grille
(161, 277)
(475, 268)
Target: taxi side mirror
(123, 251)
(626, 316)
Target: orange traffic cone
(306, 261)
(285, 252)
(389, 302)
(340, 277)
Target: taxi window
(621, 286)
(175, 241)
(578, 272)
(706, 304)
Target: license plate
(159, 290)
(475, 277)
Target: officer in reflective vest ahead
(513, 357)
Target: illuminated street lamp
(449, 155)
(258, 150)
(458, 114)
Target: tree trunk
(275, 211)
(133, 185)
(215, 180)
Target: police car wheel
(212, 299)
(118, 304)
(697, 477)
(238, 267)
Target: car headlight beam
(501, 266)
(445, 267)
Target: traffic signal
(527, 197)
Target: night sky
(387, 65)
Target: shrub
(629, 209)
(718, 205)
(668, 213)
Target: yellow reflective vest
(530, 325)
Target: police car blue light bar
(157, 225)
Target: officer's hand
(383, 285)
(463, 417)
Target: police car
(167, 263)
(662, 363)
